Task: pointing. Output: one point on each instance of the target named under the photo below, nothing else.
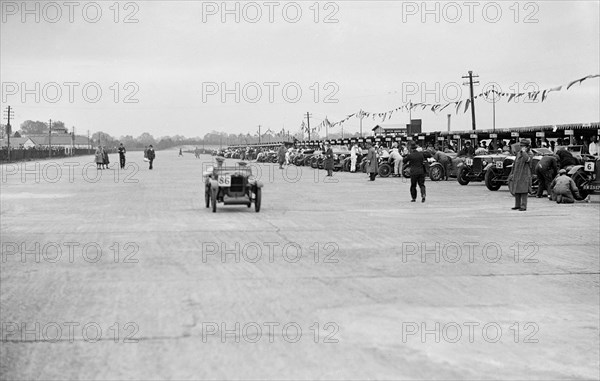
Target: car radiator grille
(477, 166)
(237, 184)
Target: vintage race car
(473, 168)
(232, 186)
(497, 172)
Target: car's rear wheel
(490, 180)
(384, 170)
(436, 172)
(580, 178)
(462, 177)
(257, 199)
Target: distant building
(389, 129)
(23, 142)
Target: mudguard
(573, 169)
(256, 183)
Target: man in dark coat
(566, 158)
(372, 164)
(519, 180)
(467, 150)
(106, 161)
(546, 171)
(415, 160)
(122, 152)
(151, 154)
(281, 156)
(328, 162)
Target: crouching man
(563, 189)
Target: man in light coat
(353, 157)
(519, 180)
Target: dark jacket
(122, 151)
(150, 154)
(566, 158)
(328, 162)
(416, 162)
(467, 151)
(548, 164)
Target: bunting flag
(438, 107)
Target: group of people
(102, 160)
(551, 173)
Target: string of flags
(457, 105)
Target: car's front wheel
(490, 180)
(463, 174)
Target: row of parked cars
(492, 169)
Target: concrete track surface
(128, 276)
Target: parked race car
(232, 186)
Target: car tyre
(462, 176)
(490, 182)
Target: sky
(191, 67)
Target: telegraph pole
(259, 134)
(73, 141)
(308, 124)
(494, 108)
(8, 131)
(50, 138)
(470, 77)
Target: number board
(440, 138)
(456, 136)
(569, 132)
(473, 136)
(514, 134)
(224, 181)
(590, 166)
(539, 134)
(493, 136)
(499, 164)
(421, 137)
(469, 161)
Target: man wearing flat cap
(519, 180)
(563, 189)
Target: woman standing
(99, 157)
(105, 160)
(372, 165)
(519, 180)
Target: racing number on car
(499, 164)
(469, 161)
(590, 166)
(225, 181)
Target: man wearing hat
(563, 188)
(328, 161)
(467, 150)
(372, 164)
(519, 180)
(416, 161)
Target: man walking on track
(151, 155)
(416, 162)
(122, 152)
